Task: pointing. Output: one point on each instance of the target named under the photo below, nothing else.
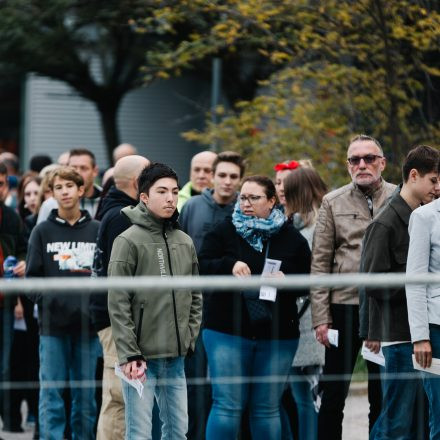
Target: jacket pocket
(346, 215)
(139, 326)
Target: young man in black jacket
(385, 249)
(12, 243)
(63, 246)
(111, 424)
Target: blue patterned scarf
(255, 229)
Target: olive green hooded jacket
(159, 323)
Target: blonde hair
(304, 190)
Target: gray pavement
(355, 417)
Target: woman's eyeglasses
(368, 159)
(250, 199)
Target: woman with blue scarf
(251, 333)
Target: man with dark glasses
(343, 218)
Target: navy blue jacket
(112, 224)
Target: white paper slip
(434, 368)
(368, 355)
(333, 336)
(271, 266)
(20, 324)
(269, 293)
(135, 383)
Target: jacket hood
(141, 216)
(207, 195)
(113, 199)
(83, 220)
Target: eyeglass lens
(368, 159)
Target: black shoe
(12, 429)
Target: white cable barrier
(85, 286)
(223, 282)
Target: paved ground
(356, 414)
(355, 418)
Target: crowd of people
(181, 363)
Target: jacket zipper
(141, 315)
(165, 237)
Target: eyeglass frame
(368, 159)
(243, 199)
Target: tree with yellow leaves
(340, 67)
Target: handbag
(258, 310)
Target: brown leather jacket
(342, 220)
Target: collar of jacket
(141, 216)
(399, 205)
(374, 193)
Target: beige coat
(342, 220)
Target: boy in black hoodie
(63, 246)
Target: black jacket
(58, 249)
(12, 242)
(385, 249)
(12, 238)
(112, 224)
(225, 311)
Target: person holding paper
(344, 216)
(424, 301)
(154, 329)
(385, 249)
(255, 332)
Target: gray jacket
(200, 214)
(423, 256)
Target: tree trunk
(108, 112)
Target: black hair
(230, 156)
(422, 158)
(3, 169)
(83, 152)
(152, 173)
(265, 182)
(39, 161)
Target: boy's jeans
(166, 382)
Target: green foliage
(342, 67)
(90, 45)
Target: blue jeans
(234, 357)
(307, 415)
(431, 383)
(398, 418)
(171, 399)
(64, 358)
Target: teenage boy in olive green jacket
(154, 329)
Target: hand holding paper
(271, 268)
(333, 337)
(369, 355)
(135, 383)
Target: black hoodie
(59, 249)
(112, 224)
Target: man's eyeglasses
(368, 159)
(250, 199)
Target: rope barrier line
(82, 286)
(225, 282)
(234, 380)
